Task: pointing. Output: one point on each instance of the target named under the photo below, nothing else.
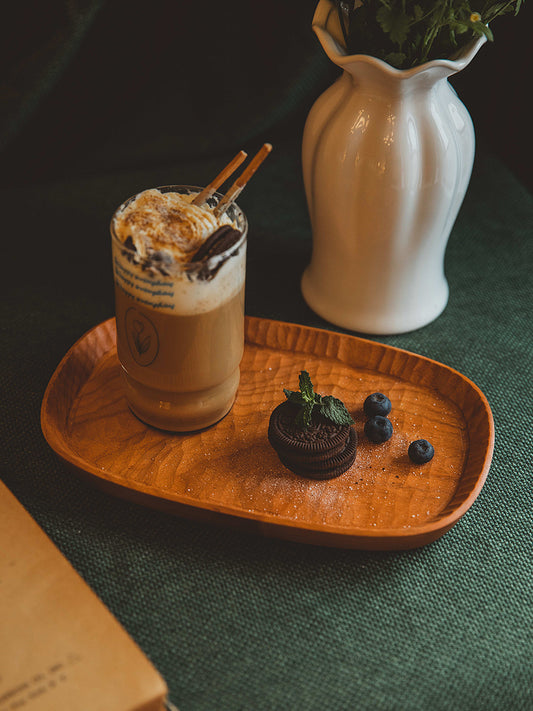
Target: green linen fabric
(237, 622)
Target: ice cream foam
(179, 293)
(168, 222)
(156, 233)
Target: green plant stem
(432, 34)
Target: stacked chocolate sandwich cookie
(322, 450)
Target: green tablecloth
(235, 621)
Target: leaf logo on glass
(143, 340)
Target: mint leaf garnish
(335, 410)
(328, 406)
(294, 396)
(303, 418)
(306, 386)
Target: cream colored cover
(60, 647)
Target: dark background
(97, 86)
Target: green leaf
(481, 29)
(303, 418)
(306, 386)
(459, 28)
(334, 410)
(307, 400)
(294, 396)
(394, 22)
(395, 59)
(418, 13)
(498, 8)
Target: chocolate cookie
(321, 451)
(219, 242)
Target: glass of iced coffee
(179, 272)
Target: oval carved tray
(229, 474)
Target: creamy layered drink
(179, 271)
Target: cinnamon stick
(210, 189)
(242, 180)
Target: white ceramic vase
(387, 157)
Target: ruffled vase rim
(321, 26)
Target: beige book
(60, 648)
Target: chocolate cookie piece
(220, 241)
(321, 451)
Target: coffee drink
(179, 306)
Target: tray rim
(405, 537)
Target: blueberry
(420, 451)
(377, 404)
(378, 429)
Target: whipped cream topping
(158, 226)
(167, 222)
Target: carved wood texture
(229, 474)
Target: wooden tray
(229, 474)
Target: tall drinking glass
(180, 329)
